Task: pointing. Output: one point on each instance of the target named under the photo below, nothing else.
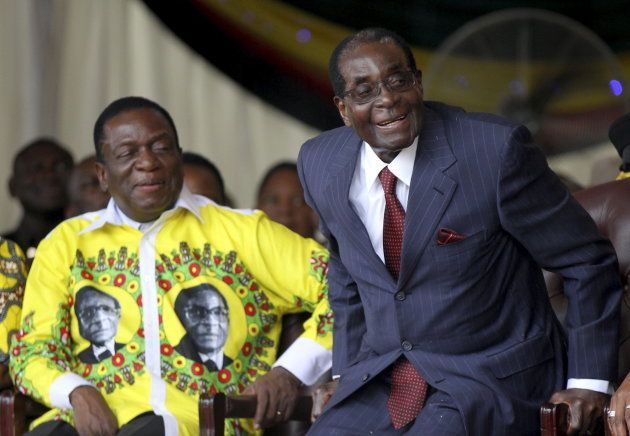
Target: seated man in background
(202, 177)
(84, 191)
(12, 279)
(39, 181)
(281, 197)
(154, 241)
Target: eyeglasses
(199, 313)
(88, 313)
(368, 91)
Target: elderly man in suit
(438, 221)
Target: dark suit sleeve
(349, 322)
(536, 209)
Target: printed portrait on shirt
(204, 313)
(98, 315)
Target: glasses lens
(397, 82)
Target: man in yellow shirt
(154, 242)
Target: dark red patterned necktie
(409, 389)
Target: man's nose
(386, 97)
(147, 160)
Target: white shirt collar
(401, 166)
(113, 215)
(216, 357)
(109, 346)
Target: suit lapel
(430, 192)
(337, 193)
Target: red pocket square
(448, 236)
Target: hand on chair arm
(585, 406)
(276, 394)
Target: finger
(262, 405)
(576, 418)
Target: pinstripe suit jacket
(475, 312)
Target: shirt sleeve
(294, 271)
(306, 359)
(42, 350)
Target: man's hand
(584, 408)
(276, 393)
(619, 421)
(92, 415)
(322, 394)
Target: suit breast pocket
(460, 257)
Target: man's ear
(12, 187)
(101, 173)
(343, 110)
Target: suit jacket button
(400, 295)
(407, 346)
(365, 377)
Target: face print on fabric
(204, 314)
(98, 315)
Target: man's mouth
(149, 185)
(392, 121)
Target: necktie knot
(388, 180)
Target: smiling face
(142, 166)
(392, 121)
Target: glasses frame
(379, 85)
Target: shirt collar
(401, 166)
(113, 215)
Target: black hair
(122, 105)
(188, 294)
(365, 36)
(190, 158)
(280, 166)
(38, 142)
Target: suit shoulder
(331, 137)
(458, 115)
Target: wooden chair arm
(554, 420)
(12, 413)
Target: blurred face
(282, 199)
(392, 120)
(84, 191)
(201, 181)
(98, 318)
(40, 178)
(205, 319)
(142, 167)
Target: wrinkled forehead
(371, 60)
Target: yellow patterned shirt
(116, 306)
(12, 279)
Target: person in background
(12, 280)
(39, 181)
(202, 177)
(84, 191)
(154, 241)
(619, 134)
(439, 221)
(281, 197)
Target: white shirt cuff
(306, 359)
(62, 387)
(602, 386)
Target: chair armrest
(554, 420)
(12, 415)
